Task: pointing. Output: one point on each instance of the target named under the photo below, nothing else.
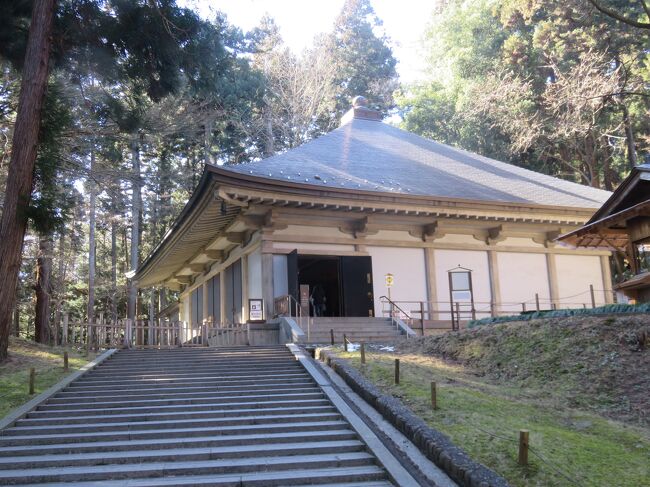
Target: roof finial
(360, 111)
(359, 101)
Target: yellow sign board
(390, 280)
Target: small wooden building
(623, 224)
(343, 211)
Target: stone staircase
(355, 329)
(240, 416)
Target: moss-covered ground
(48, 364)
(484, 400)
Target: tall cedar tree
(23, 159)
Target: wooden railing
(150, 334)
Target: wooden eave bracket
(197, 268)
(357, 228)
(214, 254)
(183, 279)
(428, 232)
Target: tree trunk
(60, 280)
(136, 206)
(43, 290)
(269, 146)
(629, 137)
(114, 231)
(17, 320)
(207, 142)
(23, 157)
(90, 310)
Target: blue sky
(299, 20)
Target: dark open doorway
(338, 285)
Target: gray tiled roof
(374, 156)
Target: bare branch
(615, 15)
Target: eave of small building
(609, 232)
(226, 203)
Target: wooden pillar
(205, 300)
(495, 285)
(552, 279)
(432, 289)
(222, 297)
(244, 288)
(607, 279)
(267, 284)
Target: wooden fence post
(32, 380)
(363, 353)
(523, 447)
(537, 301)
(396, 371)
(457, 316)
(345, 342)
(434, 398)
(422, 316)
(332, 335)
(593, 297)
(523, 307)
(65, 360)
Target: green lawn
(568, 447)
(48, 362)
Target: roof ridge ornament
(360, 111)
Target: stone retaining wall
(436, 446)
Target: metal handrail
(393, 303)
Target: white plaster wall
(407, 267)
(521, 275)
(255, 275)
(280, 280)
(575, 273)
(477, 261)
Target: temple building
(623, 225)
(368, 215)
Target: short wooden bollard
(345, 342)
(434, 398)
(396, 371)
(332, 336)
(65, 360)
(362, 349)
(523, 447)
(32, 380)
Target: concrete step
(213, 379)
(199, 369)
(160, 469)
(200, 416)
(78, 387)
(235, 400)
(312, 476)
(82, 401)
(180, 454)
(137, 426)
(180, 392)
(318, 406)
(336, 434)
(7, 440)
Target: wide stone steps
(201, 416)
(355, 329)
